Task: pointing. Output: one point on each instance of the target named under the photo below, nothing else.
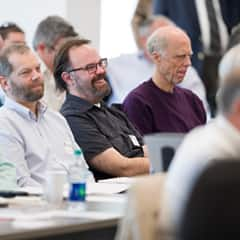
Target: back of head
(229, 87)
(229, 93)
(213, 210)
(62, 62)
(51, 29)
(9, 27)
(5, 66)
(229, 63)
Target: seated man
(127, 71)
(158, 105)
(32, 137)
(110, 143)
(219, 139)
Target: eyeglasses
(92, 67)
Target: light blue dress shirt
(34, 144)
(8, 179)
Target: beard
(93, 92)
(26, 93)
(103, 91)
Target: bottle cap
(77, 152)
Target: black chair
(213, 208)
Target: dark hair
(9, 27)
(62, 61)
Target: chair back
(213, 210)
(161, 149)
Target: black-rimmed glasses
(92, 67)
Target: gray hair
(229, 63)
(144, 26)
(51, 29)
(228, 93)
(6, 67)
(157, 43)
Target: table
(99, 221)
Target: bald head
(166, 37)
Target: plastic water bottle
(78, 175)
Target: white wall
(85, 16)
(116, 33)
(105, 22)
(28, 13)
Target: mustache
(99, 77)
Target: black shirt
(98, 128)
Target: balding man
(127, 71)
(158, 105)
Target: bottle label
(77, 192)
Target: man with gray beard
(111, 145)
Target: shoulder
(57, 116)
(7, 116)
(141, 91)
(200, 143)
(74, 107)
(191, 97)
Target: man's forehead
(16, 37)
(84, 54)
(19, 60)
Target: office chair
(161, 149)
(213, 210)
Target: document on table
(92, 188)
(119, 180)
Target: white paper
(92, 188)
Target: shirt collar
(24, 111)
(78, 104)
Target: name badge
(134, 140)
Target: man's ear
(67, 78)
(41, 47)
(4, 83)
(156, 57)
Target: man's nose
(36, 75)
(100, 69)
(188, 61)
